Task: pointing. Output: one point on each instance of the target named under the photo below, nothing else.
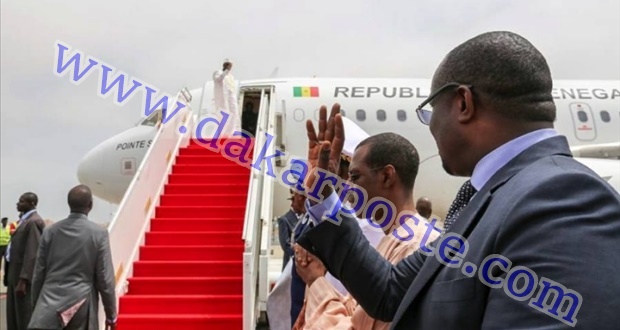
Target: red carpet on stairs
(189, 271)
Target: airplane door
(583, 121)
(254, 100)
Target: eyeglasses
(424, 115)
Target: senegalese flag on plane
(305, 91)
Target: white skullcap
(353, 135)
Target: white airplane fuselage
(588, 113)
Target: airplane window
(381, 115)
(605, 116)
(298, 114)
(401, 115)
(582, 115)
(360, 115)
(128, 166)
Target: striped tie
(463, 197)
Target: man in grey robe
(74, 266)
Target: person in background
(13, 225)
(249, 118)
(73, 267)
(5, 237)
(21, 255)
(10, 229)
(287, 223)
(424, 207)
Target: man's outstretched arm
(376, 284)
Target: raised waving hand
(325, 147)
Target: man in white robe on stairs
(225, 97)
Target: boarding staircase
(189, 272)
(190, 249)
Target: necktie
(303, 225)
(466, 192)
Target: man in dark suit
(533, 235)
(287, 223)
(298, 287)
(74, 266)
(22, 254)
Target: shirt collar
(298, 215)
(496, 159)
(27, 214)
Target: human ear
(389, 176)
(467, 109)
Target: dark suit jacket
(543, 210)
(286, 224)
(24, 247)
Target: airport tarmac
(2, 303)
(275, 268)
(3, 311)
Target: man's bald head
(506, 71)
(424, 207)
(80, 199)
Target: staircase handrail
(266, 215)
(256, 176)
(253, 221)
(131, 221)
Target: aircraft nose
(89, 167)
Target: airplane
(588, 114)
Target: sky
(48, 123)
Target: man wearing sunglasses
(524, 248)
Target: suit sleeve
(40, 268)
(105, 281)
(33, 237)
(376, 284)
(564, 230)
